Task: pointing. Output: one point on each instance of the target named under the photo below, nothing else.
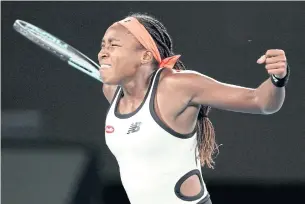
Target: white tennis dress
(153, 159)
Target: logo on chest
(109, 129)
(134, 127)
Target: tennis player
(157, 125)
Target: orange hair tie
(142, 35)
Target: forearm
(269, 97)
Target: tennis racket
(59, 48)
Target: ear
(147, 57)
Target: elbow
(269, 103)
(267, 109)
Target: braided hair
(206, 143)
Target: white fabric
(150, 159)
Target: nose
(102, 54)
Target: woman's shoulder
(172, 77)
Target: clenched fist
(275, 62)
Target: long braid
(206, 142)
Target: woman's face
(120, 55)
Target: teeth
(105, 66)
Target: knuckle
(267, 60)
(268, 52)
(282, 58)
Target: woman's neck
(137, 86)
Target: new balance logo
(134, 127)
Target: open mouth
(105, 66)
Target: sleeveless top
(153, 159)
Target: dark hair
(206, 143)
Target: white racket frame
(58, 47)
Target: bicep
(109, 91)
(208, 91)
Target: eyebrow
(110, 39)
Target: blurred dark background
(53, 148)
